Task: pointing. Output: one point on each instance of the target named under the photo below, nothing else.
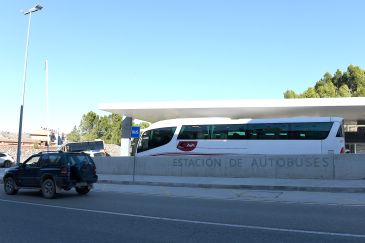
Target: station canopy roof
(352, 109)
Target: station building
(351, 109)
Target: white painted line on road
(190, 221)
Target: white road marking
(190, 221)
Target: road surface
(109, 214)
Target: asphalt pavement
(124, 208)
(109, 214)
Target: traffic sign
(135, 132)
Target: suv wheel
(82, 190)
(9, 186)
(48, 188)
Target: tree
(142, 125)
(344, 91)
(88, 126)
(108, 128)
(338, 79)
(103, 129)
(116, 128)
(327, 89)
(310, 93)
(360, 92)
(348, 84)
(74, 135)
(290, 94)
(356, 78)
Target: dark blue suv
(52, 172)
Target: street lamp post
(28, 12)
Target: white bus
(225, 136)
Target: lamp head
(34, 9)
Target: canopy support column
(125, 141)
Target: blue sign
(135, 132)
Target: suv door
(29, 172)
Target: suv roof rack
(46, 152)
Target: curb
(250, 187)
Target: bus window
(155, 138)
(310, 130)
(220, 131)
(194, 132)
(268, 131)
(340, 133)
(229, 131)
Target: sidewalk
(309, 185)
(313, 185)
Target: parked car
(6, 160)
(52, 172)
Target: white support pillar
(125, 141)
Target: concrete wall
(347, 166)
(352, 166)
(114, 165)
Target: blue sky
(161, 50)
